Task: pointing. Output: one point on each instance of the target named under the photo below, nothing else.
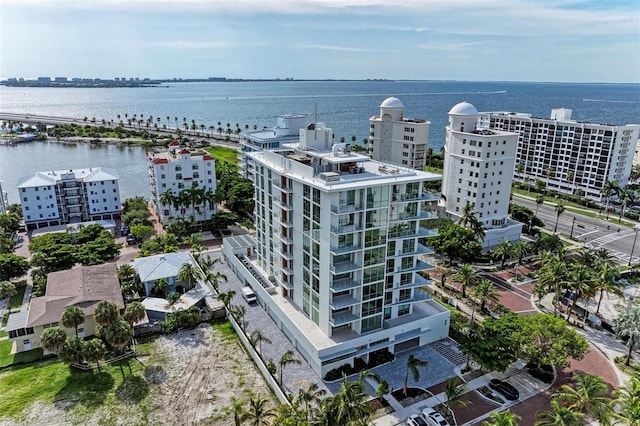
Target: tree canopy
(456, 242)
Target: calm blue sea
(345, 106)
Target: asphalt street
(595, 233)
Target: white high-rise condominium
(338, 249)
(183, 183)
(69, 196)
(478, 170)
(570, 157)
(398, 140)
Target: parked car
(416, 420)
(131, 239)
(505, 389)
(433, 418)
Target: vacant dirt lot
(192, 377)
(203, 372)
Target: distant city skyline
(488, 40)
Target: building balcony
(420, 250)
(416, 196)
(278, 185)
(342, 318)
(412, 233)
(418, 296)
(345, 229)
(344, 301)
(285, 206)
(421, 215)
(284, 255)
(346, 208)
(344, 267)
(282, 238)
(419, 266)
(344, 248)
(283, 283)
(343, 284)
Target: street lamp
(572, 225)
(634, 245)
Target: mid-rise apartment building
(183, 183)
(478, 170)
(69, 196)
(570, 157)
(398, 140)
(338, 259)
(287, 130)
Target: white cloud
(338, 48)
(450, 46)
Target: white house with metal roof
(69, 196)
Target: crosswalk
(602, 241)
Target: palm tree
(485, 292)
(259, 412)
(72, 317)
(467, 213)
(587, 397)
(226, 298)
(466, 276)
(126, 272)
(628, 325)
(257, 338)
(239, 313)
(52, 339)
(413, 365)
(349, 406)
(118, 335)
(580, 280)
(539, 291)
(72, 351)
(628, 196)
(106, 313)
(627, 402)
(606, 281)
(160, 287)
(453, 390)
(503, 418)
(168, 198)
(559, 416)
(312, 395)
(286, 359)
(214, 278)
(608, 189)
(504, 251)
(552, 274)
(190, 274)
(94, 351)
(133, 313)
(539, 201)
(560, 208)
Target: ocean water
(345, 106)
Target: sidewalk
(526, 385)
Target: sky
(474, 40)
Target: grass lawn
(85, 391)
(223, 154)
(6, 358)
(16, 299)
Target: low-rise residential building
(159, 275)
(183, 183)
(338, 259)
(69, 196)
(84, 287)
(396, 139)
(478, 171)
(569, 156)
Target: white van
(249, 295)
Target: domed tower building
(398, 140)
(478, 170)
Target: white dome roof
(463, 108)
(392, 102)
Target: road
(595, 233)
(217, 140)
